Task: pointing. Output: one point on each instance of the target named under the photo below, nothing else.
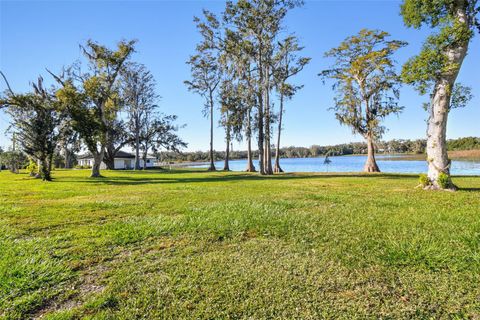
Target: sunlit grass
(191, 244)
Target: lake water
(355, 164)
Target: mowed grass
(199, 245)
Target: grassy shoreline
(192, 244)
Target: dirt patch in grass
(92, 280)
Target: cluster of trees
(243, 64)
(12, 159)
(243, 58)
(83, 109)
(468, 143)
(243, 67)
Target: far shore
(464, 155)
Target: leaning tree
(435, 70)
(366, 84)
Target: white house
(123, 160)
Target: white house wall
(119, 163)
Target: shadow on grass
(177, 176)
(469, 189)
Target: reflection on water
(355, 164)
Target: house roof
(120, 155)
(123, 154)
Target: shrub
(443, 180)
(424, 180)
(32, 168)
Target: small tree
(233, 115)
(436, 69)
(206, 76)
(69, 142)
(13, 160)
(159, 132)
(288, 65)
(367, 85)
(35, 119)
(238, 64)
(138, 90)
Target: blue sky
(35, 35)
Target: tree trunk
(137, 150)
(226, 166)
(212, 164)
(371, 164)
(66, 155)
(44, 170)
(50, 163)
(14, 162)
(109, 159)
(437, 156)
(97, 161)
(277, 167)
(38, 174)
(145, 155)
(250, 166)
(260, 115)
(261, 168)
(268, 152)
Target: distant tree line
(395, 146)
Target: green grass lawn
(198, 245)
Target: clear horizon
(35, 35)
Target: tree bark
(50, 163)
(97, 161)
(268, 152)
(212, 164)
(371, 164)
(260, 138)
(250, 166)
(145, 155)
(38, 174)
(109, 158)
(437, 156)
(44, 170)
(277, 167)
(14, 163)
(226, 166)
(260, 115)
(66, 155)
(137, 150)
